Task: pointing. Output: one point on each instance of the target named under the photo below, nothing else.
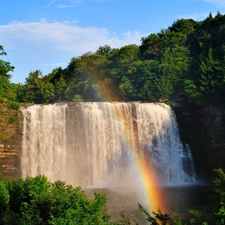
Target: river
(178, 200)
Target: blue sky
(45, 34)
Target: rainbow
(151, 184)
(150, 181)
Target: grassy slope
(8, 122)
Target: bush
(11, 119)
(13, 105)
(4, 195)
(38, 201)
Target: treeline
(184, 61)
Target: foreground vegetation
(37, 201)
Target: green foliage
(219, 186)
(158, 217)
(126, 221)
(212, 209)
(125, 87)
(151, 47)
(192, 92)
(13, 105)
(77, 98)
(34, 88)
(6, 88)
(210, 79)
(48, 92)
(177, 221)
(38, 201)
(184, 61)
(5, 67)
(4, 195)
(11, 119)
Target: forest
(183, 63)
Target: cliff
(9, 141)
(203, 128)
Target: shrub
(11, 119)
(38, 201)
(13, 105)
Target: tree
(105, 50)
(219, 187)
(184, 26)
(38, 89)
(192, 92)
(5, 67)
(151, 47)
(60, 87)
(158, 218)
(78, 98)
(4, 195)
(37, 201)
(6, 90)
(125, 88)
(48, 92)
(146, 92)
(33, 87)
(212, 77)
(174, 65)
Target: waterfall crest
(91, 144)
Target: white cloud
(217, 2)
(61, 36)
(75, 1)
(65, 6)
(41, 45)
(69, 4)
(49, 4)
(62, 64)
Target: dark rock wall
(203, 128)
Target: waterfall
(91, 144)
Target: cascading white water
(95, 143)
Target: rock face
(9, 161)
(203, 128)
(215, 125)
(9, 142)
